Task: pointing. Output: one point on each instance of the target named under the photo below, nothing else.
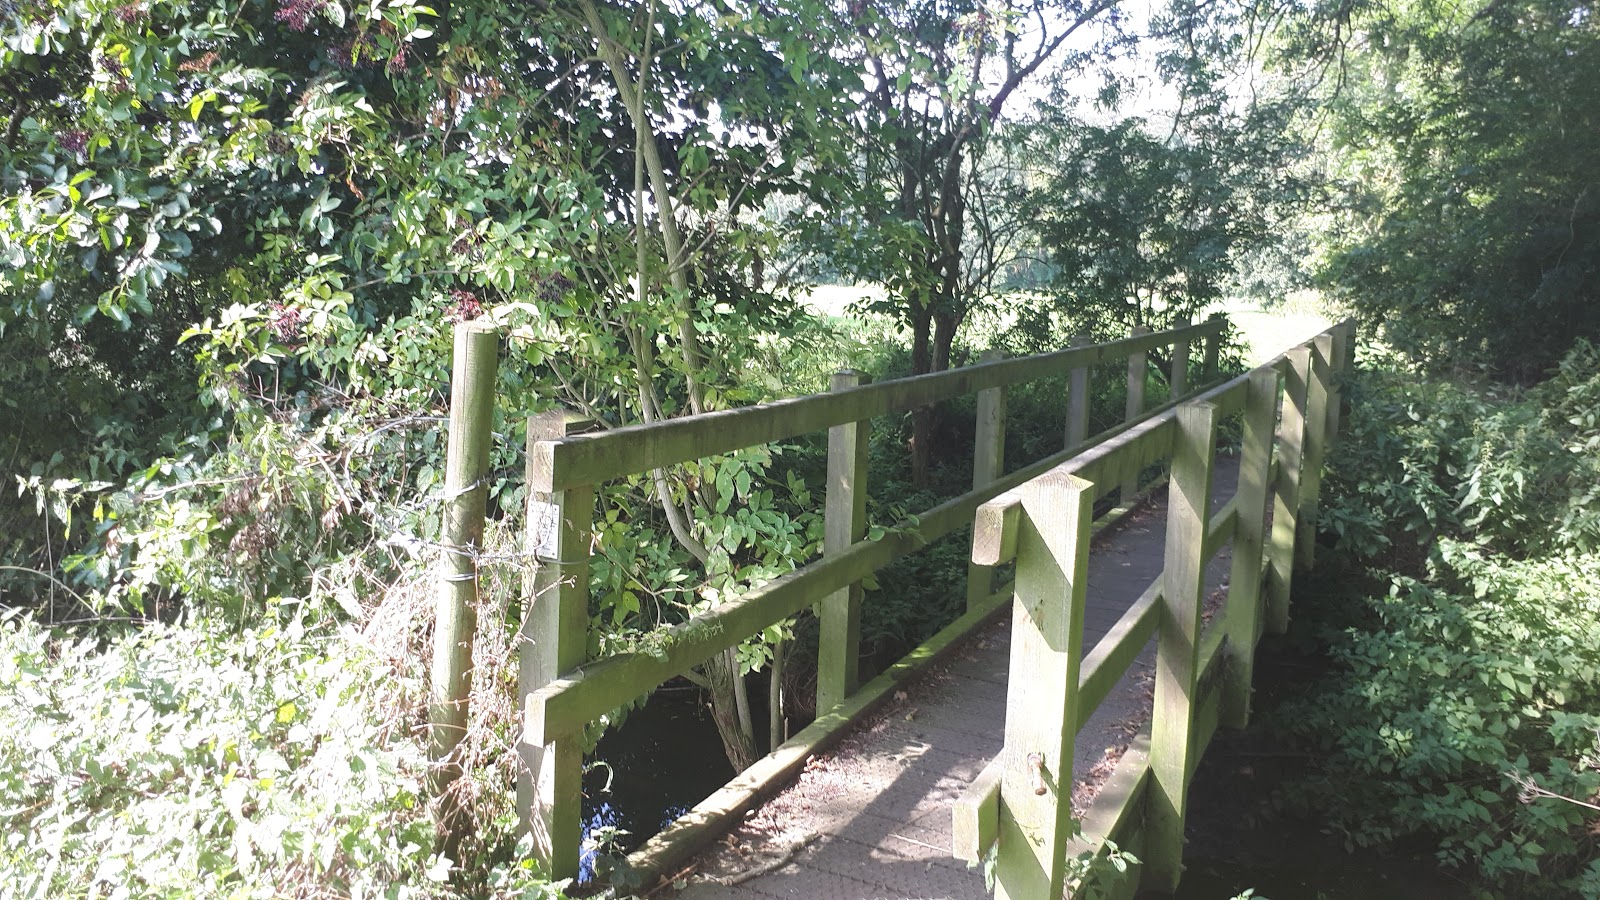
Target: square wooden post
(1178, 383)
(1244, 584)
(1044, 525)
(1138, 363)
(1286, 488)
(1078, 400)
(1318, 396)
(1344, 337)
(845, 522)
(988, 463)
(552, 641)
(1173, 736)
(1213, 349)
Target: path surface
(871, 820)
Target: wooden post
(472, 385)
(1344, 337)
(839, 641)
(1286, 490)
(1044, 524)
(1244, 584)
(1078, 400)
(1179, 382)
(553, 640)
(1317, 420)
(1213, 351)
(1173, 735)
(1137, 365)
(988, 463)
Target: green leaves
(1467, 224)
(1464, 707)
(192, 761)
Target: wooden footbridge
(970, 747)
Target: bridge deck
(872, 818)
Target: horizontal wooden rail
(1203, 666)
(1104, 665)
(567, 704)
(593, 458)
(1223, 523)
(563, 472)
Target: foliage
(274, 759)
(189, 761)
(1464, 705)
(1511, 470)
(262, 218)
(1148, 229)
(1462, 165)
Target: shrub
(1466, 705)
(192, 761)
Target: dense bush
(1468, 228)
(188, 761)
(1466, 705)
(198, 760)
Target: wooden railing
(1019, 807)
(564, 693)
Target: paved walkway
(871, 820)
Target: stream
(664, 759)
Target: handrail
(600, 456)
(1203, 668)
(562, 695)
(567, 704)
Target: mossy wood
(1203, 670)
(1178, 381)
(1138, 372)
(588, 459)
(1286, 488)
(565, 470)
(571, 702)
(552, 639)
(1243, 612)
(1172, 737)
(1045, 523)
(1318, 404)
(1078, 400)
(845, 523)
(988, 463)
(466, 495)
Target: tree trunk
(776, 730)
(731, 716)
(933, 336)
(944, 337)
(730, 706)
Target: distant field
(1265, 333)
(836, 299)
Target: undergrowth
(1465, 709)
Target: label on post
(544, 524)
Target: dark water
(664, 759)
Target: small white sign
(544, 523)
